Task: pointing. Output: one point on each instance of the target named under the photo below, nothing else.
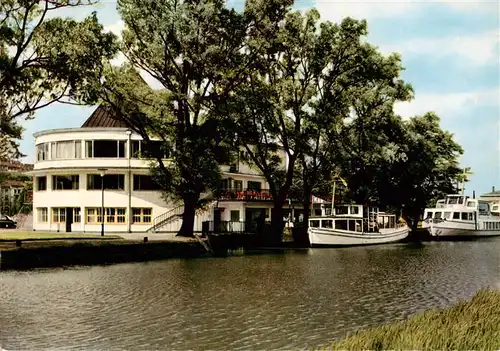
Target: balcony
(245, 195)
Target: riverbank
(20, 250)
(468, 325)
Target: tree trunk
(187, 227)
(277, 225)
(416, 217)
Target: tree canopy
(306, 99)
(45, 60)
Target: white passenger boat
(351, 225)
(461, 216)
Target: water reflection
(279, 301)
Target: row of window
(465, 216)
(237, 185)
(72, 149)
(341, 224)
(93, 215)
(96, 182)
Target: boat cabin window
(466, 216)
(437, 215)
(447, 215)
(455, 200)
(387, 221)
(314, 224)
(354, 210)
(317, 212)
(327, 223)
(429, 214)
(341, 224)
(456, 215)
(357, 225)
(341, 210)
(328, 211)
(484, 208)
(471, 204)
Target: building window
(59, 215)
(111, 181)
(76, 215)
(145, 182)
(150, 149)
(41, 183)
(238, 185)
(93, 215)
(68, 149)
(42, 214)
(235, 216)
(141, 215)
(112, 215)
(105, 148)
(65, 182)
(115, 215)
(254, 186)
(42, 152)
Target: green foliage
(305, 99)
(471, 325)
(307, 79)
(44, 60)
(194, 49)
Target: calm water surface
(277, 301)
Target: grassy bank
(12, 235)
(468, 325)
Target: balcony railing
(245, 195)
(231, 227)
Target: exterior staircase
(166, 218)
(170, 219)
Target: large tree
(307, 72)
(431, 168)
(197, 51)
(45, 60)
(401, 165)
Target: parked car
(6, 222)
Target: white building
(70, 165)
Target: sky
(450, 50)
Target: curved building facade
(97, 176)
(78, 172)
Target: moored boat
(352, 225)
(460, 216)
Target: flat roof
(79, 129)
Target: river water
(299, 299)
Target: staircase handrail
(158, 221)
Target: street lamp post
(103, 172)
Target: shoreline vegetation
(467, 325)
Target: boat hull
(322, 237)
(449, 230)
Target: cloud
(476, 49)
(336, 10)
(446, 105)
(115, 28)
(470, 5)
